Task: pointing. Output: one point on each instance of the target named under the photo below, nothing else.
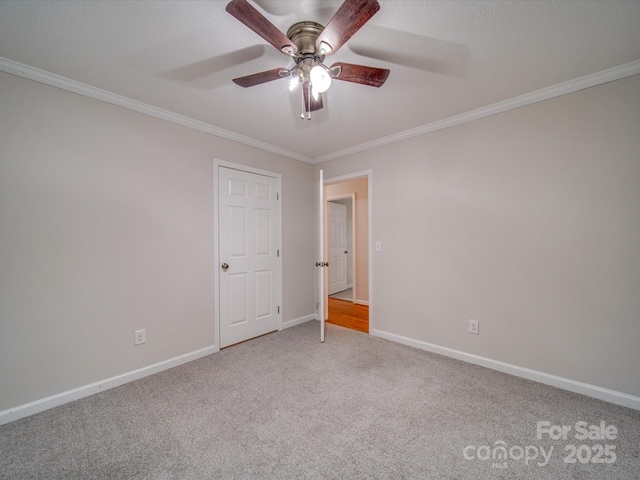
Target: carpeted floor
(284, 406)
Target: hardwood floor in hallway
(348, 314)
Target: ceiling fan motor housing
(304, 35)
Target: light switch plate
(474, 327)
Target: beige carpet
(284, 406)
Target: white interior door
(337, 239)
(320, 263)
(249, 239)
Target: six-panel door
(249, 226)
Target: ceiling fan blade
(261, 77)
(310, 103)
(372, 76)
(252, 18)
(349, 18)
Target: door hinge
(278, 252)
(278, 308)
(277, 195)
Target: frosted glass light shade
(320, 79)
(293, 83)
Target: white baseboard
(298, 321)
(56, 400)
(594, 391)
(52, 401)
(361, 302)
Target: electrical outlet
(474, 327)
(139, 337)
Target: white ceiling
(446, 58)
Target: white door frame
(352, 247)
(216, 240)
(353, 176)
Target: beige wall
(106, 226)
(526, 221)
(358, 186)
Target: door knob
(224, 267)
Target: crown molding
(609, 75)
(74, 86)
(42, 76)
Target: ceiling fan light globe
(293, 83)
(320, 79)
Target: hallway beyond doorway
(343, 295)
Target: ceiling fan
(308, 43)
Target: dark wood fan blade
(372, 76)
(310, 103)
(349, 18)
(258, 78)
(252, 18)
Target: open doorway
(346, 246)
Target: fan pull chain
(309, 97)
(302, 92)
